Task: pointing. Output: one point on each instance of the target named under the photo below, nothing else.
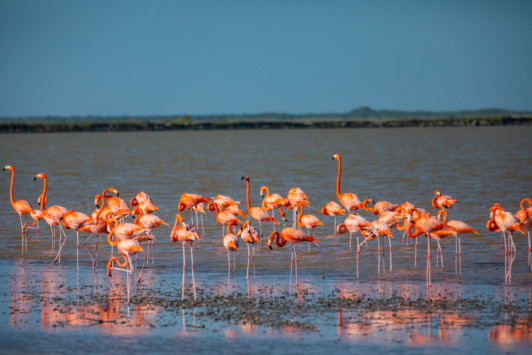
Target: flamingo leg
(87, 249)
(295, 258)
(415, 254)
(358, 252)
(183, 278)
(529, 253)
(390, 244)
(291, 263)
(253, 250)
(192, 264)
(350, 235)
(247, 271)
(379, 257)
(429, 281)
(142, 268)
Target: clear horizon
(137, 58)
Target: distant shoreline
(135, 126)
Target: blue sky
(96, 57)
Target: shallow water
(477, 166)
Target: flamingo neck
(300, 207)
(409, 231)
(100, 198)
(442, 216)
(105, 195)
(139, 211)
(11, 188)
(247, 195)
(267, 195)
(110, 237)
(338, 178)
(43, 202)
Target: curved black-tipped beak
(34, 178)
(97, 205)
(269, 246)
(4, 168)
(333, 157)
(242, 178)
(117, 194)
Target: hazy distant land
(362, 117)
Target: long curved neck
(43, 202)
(523, 201)
(247, 194)
(105, 195)
(11, 188)
(139, 211)
(267, 195)
(300, 208)
(276, 236)
(410, 234)
(442, 216)
(100, 198)
(110, 237)
(338, 194)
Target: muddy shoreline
(131, 126)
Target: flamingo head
(336, 156)
(245, 178)
(8, 167)
(39, 176)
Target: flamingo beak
(34, 178)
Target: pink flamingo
(257, 213)
(52, 215)
(185, 233)
(127, 248)
(349, 200)
(333, 209)
(293, 236)
(22, 207)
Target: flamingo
(308, 221)
(353, 224)
(524, 215)
(333, 209)
(442, 201)
(144, 202)
(147, 221)
(507, 222)
(250, 235)
(97, 226)
(349, 200)
(257, 213)
(73, 220)
(52, 215)
(223, 202)
(223, 217)
(385, 206)
(295, 195)
(425, 224)
(230, 241)
(378, 229)
(293, 236)
(457, 226)
(190, 201)
(22, 207)
(127, 248)
(185, 233)
(273, 201)
(115, 203)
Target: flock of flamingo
(109, 218)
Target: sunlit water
(477, 166)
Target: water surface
(477, 166)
